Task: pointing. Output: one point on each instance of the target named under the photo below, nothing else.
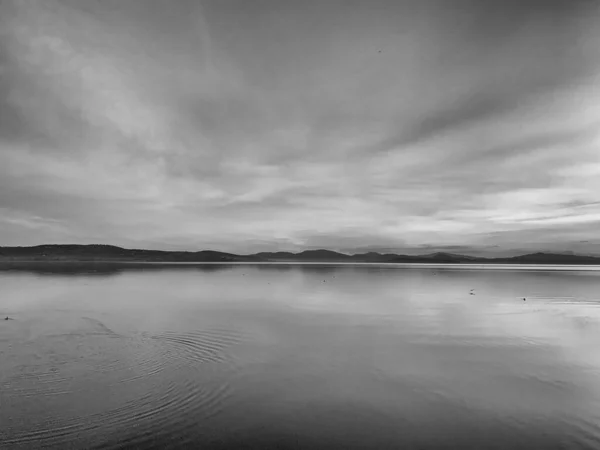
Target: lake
(104, 356)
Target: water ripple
(175, 384)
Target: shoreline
(77, 253)
(466, 266)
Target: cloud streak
(231, 125)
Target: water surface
(298, 356)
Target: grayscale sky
(238, 125)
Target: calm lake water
(298, 357)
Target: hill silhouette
(75, 252)
(72, 252)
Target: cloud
(225, 124)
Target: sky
(470, 126)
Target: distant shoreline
(76, 253)
(464, 266)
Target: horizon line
(569, 253)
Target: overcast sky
(406, 125)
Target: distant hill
(548, 258)
(322, 255)
(305, 256)
(374, 257)
(276, 256)
(534, 258)
(72, 252)
(432, 258)
(113, 253)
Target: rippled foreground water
(228, 357)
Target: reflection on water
(298, 356)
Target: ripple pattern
(101, 383)
(199, 346)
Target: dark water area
(105, 356)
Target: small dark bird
(524, 299)
(6, 318)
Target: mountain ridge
(104, 252)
